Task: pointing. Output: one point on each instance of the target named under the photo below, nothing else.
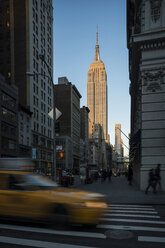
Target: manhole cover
(118, 234)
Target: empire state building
(97, 91)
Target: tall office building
(26, 31)
(97, 92)
(68, 102)
(118, 146)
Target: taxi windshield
(37, 181)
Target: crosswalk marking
(132, 211)
(134, 221)
(133, 228)
(130, 208)
(36, 243)
(55, 232)
(116, 213)
(133, 215)
(128, 205)
(151, 239)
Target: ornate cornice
(152, 45)
(153, 81)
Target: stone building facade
(84, 134)
(146, 45)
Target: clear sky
(75, 23)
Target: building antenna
(97, 35)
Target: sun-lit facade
(97, 91)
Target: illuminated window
(8, 24)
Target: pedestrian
(151, 181)
(157, 177)
(130, 174)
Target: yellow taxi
(29, 195)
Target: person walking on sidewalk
(157, 178)
(151, 181)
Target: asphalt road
(124, 225)
(133, 220)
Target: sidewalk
(118, 191)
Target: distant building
(109, 149)
(84, 133)
(122, 148)
(97, 145)
(68, 102)
(97, 92)
(8, 119)
(118, 146)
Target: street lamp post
(42, 57)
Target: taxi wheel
(60, 216)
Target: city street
(136, 219)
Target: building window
(27, 129)
(7, 114)
(21, 126)
(21, 139)
(8, 24)
(27, 141)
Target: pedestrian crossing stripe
(36, 243)
(128, 205)
(151, 239)
(130, 208)
(131, 211)
(134, 215)
(134, 221)
(132, 228)
(55, 232)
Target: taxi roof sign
(16, 164)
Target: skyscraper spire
(97, 56)
(97, 36)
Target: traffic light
(59, 154)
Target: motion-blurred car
(28, 195)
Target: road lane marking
(134, 221)
(132, 211)
(151, 239)
(36, 243)
(134, 215)
(56, 232)
(133, 228)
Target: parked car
(25, 194)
